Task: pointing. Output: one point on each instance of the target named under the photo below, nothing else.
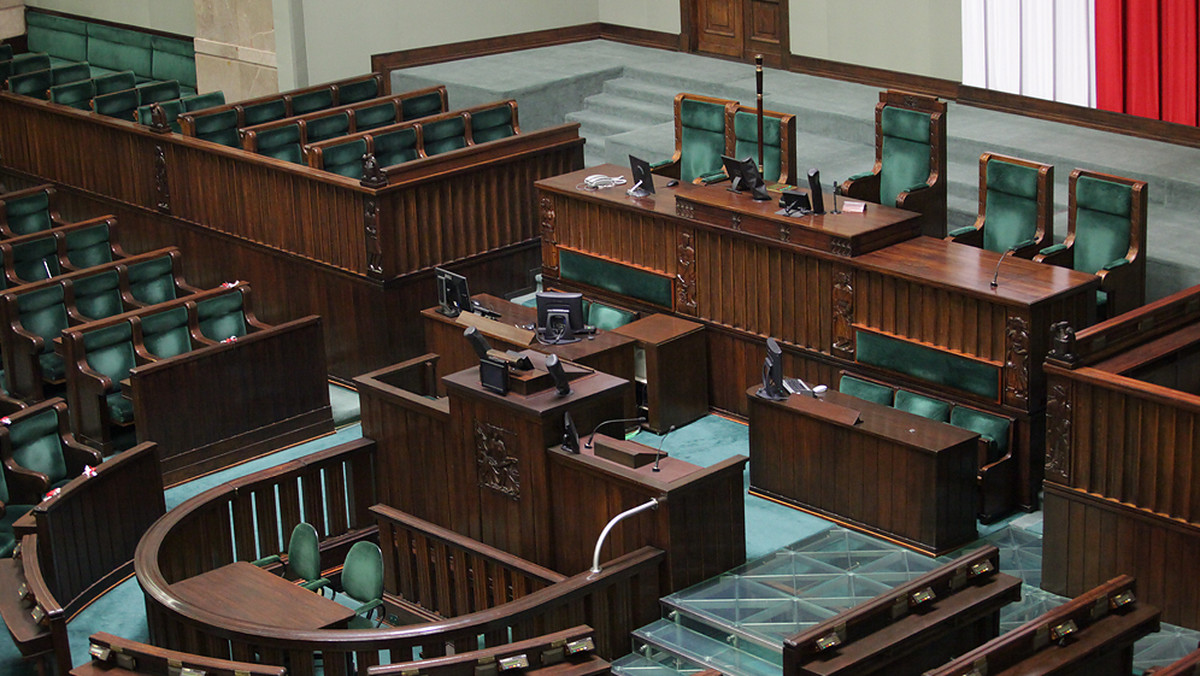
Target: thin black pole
(758, 75)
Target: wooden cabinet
(672, 366)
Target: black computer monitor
(453, 295)
(814, 190)
(559, 316)
(744, 175)
(643, 179)
(772, 375)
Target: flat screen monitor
(772, 375)
(744, 175)
(559, 316)
(814, 189)
(453, 295)
(643, 179)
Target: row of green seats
(49, 253)
(173, 108)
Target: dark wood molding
(20, 43)
(102, 22)
(878, 77)
(642, 37)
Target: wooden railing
(35, 618)
(564, 652)
(113, 652)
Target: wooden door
(741, 29)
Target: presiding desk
(243, 591)
(893, 474)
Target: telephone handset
(598, 181)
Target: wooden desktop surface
(243, 591)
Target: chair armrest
(969, 234)
(668, 168)
(864, 186)
(959, 232)
(23, 482)
(78, 455)
(317, 584)
(662, 163)
(268, 560)
(367, 608)
(1116, 264)
(712, 177)
(1058, 254)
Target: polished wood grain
(45, 643)
(545, 655)
(894, 474)
(674, 352)
(151, 660)
(243, 591)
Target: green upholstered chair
(154, 92)
(865, 389)
(225, 316)
(171, 111)
(114, 82)
(30, 258)
(38, 449)
(375, 116)
(325, 127)
(282, 143)
(361, 90)
(494, 122)
(423, 102)
(153, 281)
(261, 112)
(29, 62)
(344, 159)
(606, 317)
(779, 142)
(395, 147)
(995, 432)
(309, 101)
(24, 212)
(997, 474)
(109, 352)
(1016, 207)
(37, 83)
(919, 404)
(443, 135)
(163, 334)
(74, 94)
(700, 139)
(1106, 236)
(202, 101)
(90, 245)
(122, 105)
(30, 359)
(96, 296)
(910, 159)
(303, 558)
(362, 581)
(219, 127)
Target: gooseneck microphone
(658, 453)
(591, 436)
(996, 274)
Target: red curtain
(1147, 58)
(1179, 60)
(1110, 55)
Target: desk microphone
(996, 274)
(640, 419)
(658, 454)
(837, 190)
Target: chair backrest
(153, 92)
(109, 350)
(219, 128)
(699, 134)
(121, 104)
(43, 312)
(29, 62)
(865, 389)
(353, 92)
(1016, 201)
(1102, 219)
(34, 83)
(74, 94)
(926, 407)
(223, 316)
(345, 159)
(165, 334)
(266, 111)
(6, 52)
(904, 151)
(779, 142)
(115, 82)
(993, 429)
(282, 143)
(327, 126)
(304, 552)
(395, 147)
(29, 213)
(494, 123)
(36, 259)
(90, 246)
(374, 116)
(71, 72)
(36, 443)
(171, 110)
(99, 295)
(362, 574)
(606, 317)
(201, 101)
(152, 281)
(420, 105)
(443, 135)
(307, 102)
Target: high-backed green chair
(74, 94)
(38, 449)
(779, 142)
(919, 404)
(1016, 207)
(96, 296)
(156, 280)
(122, 104)
(362, 581)
(424, 102)
(353, 92)
(218, 127)
(202, 101)
(700, 139)
(90, 245)
(344, 159)
(304, 558)
(443, 134)
(225, 316)
(495, 122)
(30, 358)
(31, 258)
(371, 117)
(607, 317)
(865, 389)
(910, 159)
(1106, 236)
(23, 212)
(282, 143)
(395, 147)
(98, 360)
(164, 334)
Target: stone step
(642, 90)
(594, 124)
(637, 112)
(700, 649)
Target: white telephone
(598, 181)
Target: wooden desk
(894, 474)
(674, 353)
(243, 591)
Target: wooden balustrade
(564, 653)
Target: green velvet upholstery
(64, 37)
(327, 126)
(120, 49)
(282, 143)
(72, 72)
(75, 94)
(34, 84)
(702, 138)
(98, 296)
(745, 132)
(28, 214)
(395, 147)
(1102, 222)
(491, 124)
(29, 62)
(993, 429)
(313, 101)
(362, 581)
(865, 389)
(1011, 210)
(43, 314)
(345, 159)
(905, 153)
(172, 109)
(926, 407)
(421, 105)
(152, 281)
(36, 259)
(153, 92)
(88, 247)
(304, 557)
(115, 82)
(607, 317)
(173, 60)
(929, 364)
(122, 105)
(353, 92)
(37, 446)
(6, 54)
(620, 279)
(444, 135)
(374, 116)
(267, 111)
(221, 317)
(165, 334)
(219, 128)
(109, 351)
(202, 101)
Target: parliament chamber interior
(646, 338)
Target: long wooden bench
(1092, 633)
(916, 626)
(570, 652)
(112, 655)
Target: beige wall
(12, 18)
(654, 15)
(172, 16)
(912, 36)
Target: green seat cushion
(328, 126)
(374, 116)
(28, 214)
(120, 408)
(702, 138)
(173, 60)
(928, 364)
(88, 247)
(109, 350)
(202, 101)
(219, 128)
(154, 92)
(926, 407)
(1102, 222)
(37, 446)
(152, 281)
(444, 135)
(98, 296)
(421, 105)
(345, 159)
(53, 368)
(29, 62)
(620, 279)
(745, 131)
(43, 314)
(32, 84)
(280, 142)
(308, 102)
(606, 317)
(396, 147)
(120, 49)
(1010, 214)
(165, 334)
(491, 124)
(905, 153)
(75, 94)
(36, 259)
(267, 111)
(60, 36)
(865, 389)
(115, 82)
(70, 73)
(221, 317)
(993, 429)
(353, 92)
(122, 105)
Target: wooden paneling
(720, 29)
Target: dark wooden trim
(642, 37)
(113, 24)
(20, 43)
(878, 77)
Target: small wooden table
(243, 591)
(676, 369)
